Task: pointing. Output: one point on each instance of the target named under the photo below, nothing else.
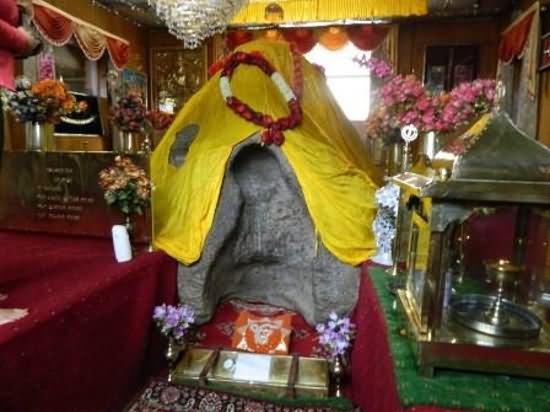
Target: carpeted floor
(161, 396)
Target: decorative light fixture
(195, 20)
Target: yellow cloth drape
(325, 153)
(331, 10)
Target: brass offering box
(59, 193)
(486, 310)
(311, 374)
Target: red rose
(278, 138)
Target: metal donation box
(477, 285)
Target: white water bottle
(121, 244)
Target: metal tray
(470, 311)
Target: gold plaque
(57, 192)
(312, 376)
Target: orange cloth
(262, 334)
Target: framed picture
(435, 78)
(176, 74)
(120, 83)
(545, 52)
(133, 81)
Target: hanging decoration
(58, 27)
(514, 39)
(297, 11)
(273, 129)
(195, 20)
(365, 37)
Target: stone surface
(263, 247)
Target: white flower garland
(387, 200)
(276, 77)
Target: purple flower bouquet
(336, 335)
(174, 321)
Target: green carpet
(454, 389)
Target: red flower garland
(273, 132)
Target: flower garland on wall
(273, 128)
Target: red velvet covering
(85, 345)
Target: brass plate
(313, 375)
(58, 193)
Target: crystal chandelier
(195, 20)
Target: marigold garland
(273, 132)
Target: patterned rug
(161, 396)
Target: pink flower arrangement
(467, 101)
(378, 67)
(130, 114)
(403, 100)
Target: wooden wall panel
(414, 37)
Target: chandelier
(195, 20)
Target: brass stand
(172, 354)
(396, 281)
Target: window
(348, 82)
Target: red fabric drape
(513, 41)
(365, 37)
(88, 342)
(368, 36)
(119, 52)
(304, 39)
(237, 37)
(57, 29)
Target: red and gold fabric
(58, 28)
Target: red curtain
(513, 41)
(236, 38)
(56, 28)
(368, 36)
(303, 38)
(365, 37)
(119, 52)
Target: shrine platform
(88, 343)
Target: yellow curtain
(330, 163)
(330, 10)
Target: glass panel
(418, 258)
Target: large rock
(262, 245)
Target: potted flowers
(174, 323)
(160, 121)
(126, 186)
(40, 106)
(403, 100)
(130, 118)
(335, 337)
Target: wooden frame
(545, 52)
(176, 80)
